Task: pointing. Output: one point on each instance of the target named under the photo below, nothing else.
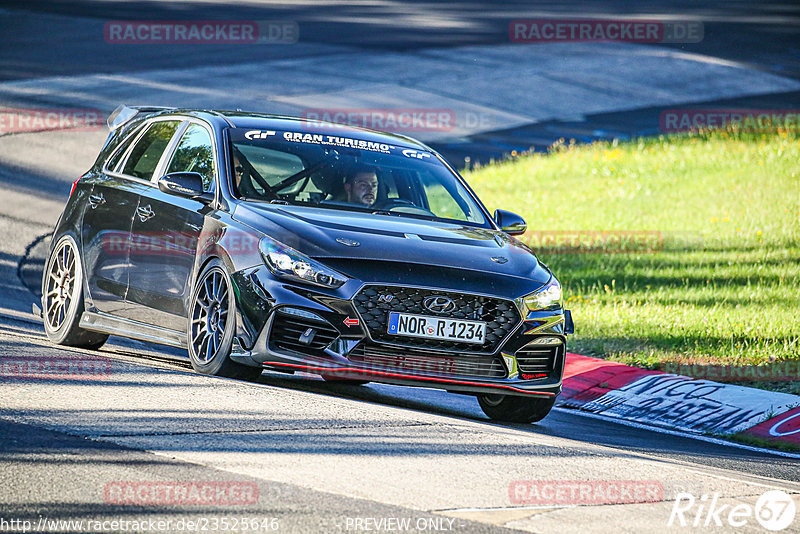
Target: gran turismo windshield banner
(339, 141)
(332, 169)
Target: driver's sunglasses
(239, 169)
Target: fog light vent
(297, 312)
(545, 340)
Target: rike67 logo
(775, 511)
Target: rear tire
(212, 324)
(516, 409)
(62, 298)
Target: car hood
(329, 233)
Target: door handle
(145, 213)
(96, 200)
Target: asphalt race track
(331, 457)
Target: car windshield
(331, 170)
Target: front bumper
(291, 328)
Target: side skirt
(117, 326)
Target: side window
(253, 162)
(115, 160)
(148, 150)
(447, 202)
(195, 154)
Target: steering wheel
(403, 206)
(296, 187)
(391, 203)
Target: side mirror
(511, 223)
(185, 184)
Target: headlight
(286, 262)
(547, 297)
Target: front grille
(287, 329)
(375, 302)
(532, 359)
(416, 362)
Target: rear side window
(118, 154)
(148, 150)
(195, 154)
(117, 157)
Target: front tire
(62, 298)
(516, 409)
(212, 324)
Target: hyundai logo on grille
(439, 304)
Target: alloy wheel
(209, 315)
(61, 286)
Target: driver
(361, 186)
(242, 183)
(238, 170)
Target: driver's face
(238, 170)
(363, 189)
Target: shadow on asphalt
(624, 440)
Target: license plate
(428, 327)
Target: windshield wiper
(397, 214)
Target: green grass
(755, 441)
(722, 287)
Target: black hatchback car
(262, 242)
